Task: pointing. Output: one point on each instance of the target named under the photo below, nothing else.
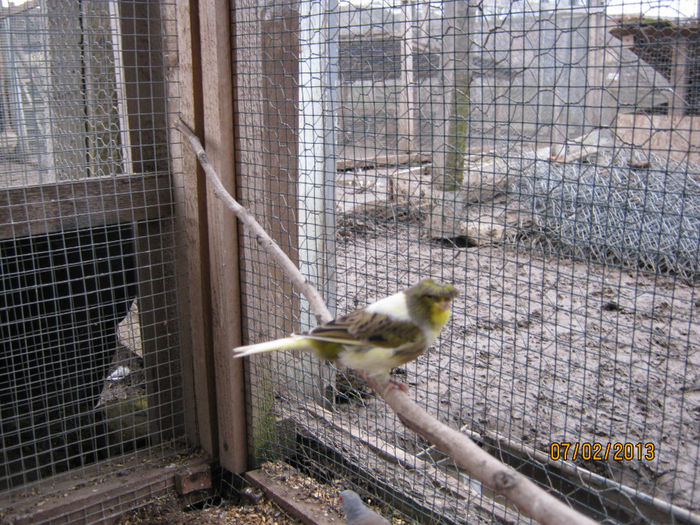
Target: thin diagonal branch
(308, 290)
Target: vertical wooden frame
(144, 73)
(144, 85)
(280, 70)
(191, 208)
(259, 293)
(279, 40)
(217, 89)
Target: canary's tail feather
(294, 342)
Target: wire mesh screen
(542, 157)
(89, 351)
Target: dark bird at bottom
(357, 513)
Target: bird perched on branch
(378, 337)
(357, 512)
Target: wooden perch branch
(316, 302)
(480, 465)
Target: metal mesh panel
(541, 156)
(89, 339)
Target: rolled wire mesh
(540, 156)
(609, 211)
(90, 374)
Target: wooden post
(276, 189)
(280, 69)
(193, 255)
(597, 33)
(144, 76)
(448, 163)
(264, 123)
(679, 75)
(143, 58)
(215, 25)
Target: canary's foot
(391, 383)
(396, 384)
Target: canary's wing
(363, 328)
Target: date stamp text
(593, 451)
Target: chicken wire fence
(543, 157)
(89, 344)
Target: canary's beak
(444, 304)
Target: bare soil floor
(254, 507)
(543, 349)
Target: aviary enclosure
(544, 157)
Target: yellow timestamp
(592, 451)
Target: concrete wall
(536, 78)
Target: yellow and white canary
(378, 337)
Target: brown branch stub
(477, 463)
(503, 481)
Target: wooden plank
(280, 70)
(293, 501)
(144, 76)
(215, 25)
(193, 254)
(665, 135)
(382, 160)
(271, 192)
(143, 57)
(75, 501)
(35, 210)
(257, 283)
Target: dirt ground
(170, 511)
(542, 349)
(254, 508)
